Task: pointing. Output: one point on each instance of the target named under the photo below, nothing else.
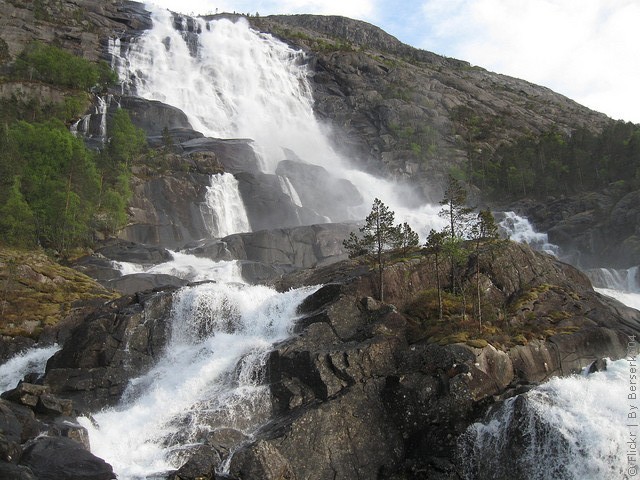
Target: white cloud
(585, 49)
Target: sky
(587, 50)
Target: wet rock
(113, 345)
(51, 458)
(122, 251)
(266, 204)
(312, 182)
(236, 155)
(153, 116)
(140, 282)
(261, 460)
(167, 209)
(202, 464)
(16, 472)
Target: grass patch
(519, 327)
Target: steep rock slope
(411, 113)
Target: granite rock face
(353, 379)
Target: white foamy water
(245, 84)
(197, 269)
(241, 84)
(519, 229)
(33, 360)
(208, 379)
(188, 267)
(572, 428)
(224, 212)
(630, 299)
(621, 284)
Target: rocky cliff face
(363, 389)
(402, 111)
(80, 26)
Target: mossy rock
(477, 343)
(459, 337)
(35, 291)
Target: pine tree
(484, 233)
(459, 217)
(378, 236)
(455, 210)
(406, 238)
(435, 246)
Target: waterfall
(33, 360)
(234, 82)
(570, 428)
(238, 84)
(208, 380)
(623, 285)
(93, 126)
(519, 229)
(625, 280)
(290, 190)
(224, 212)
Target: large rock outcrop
(359, 391)
(109, 348)
(266, 255)
(355, 378)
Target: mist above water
(234, 82)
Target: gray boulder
(58, 458)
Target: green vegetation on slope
(557, 164)
(55, 66)
(54, 192)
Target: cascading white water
(290, 190)
(236, 83)
(224, 212)
(207, 380)
(625, 280)
(188, 267)
(519, 229)
(571, 428)
(241, 84)
(33, 360)
(623, 285)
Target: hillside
(216, 315)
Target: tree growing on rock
(407, 238)
(455, 209)
(484, 234)
(435, 246)
(459, 217)
(379, 235)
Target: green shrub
(53, 65)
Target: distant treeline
(557, 164)
(54, 191)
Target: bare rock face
(268, 254)
(80, 26)
(112, 346)
(55, 458)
